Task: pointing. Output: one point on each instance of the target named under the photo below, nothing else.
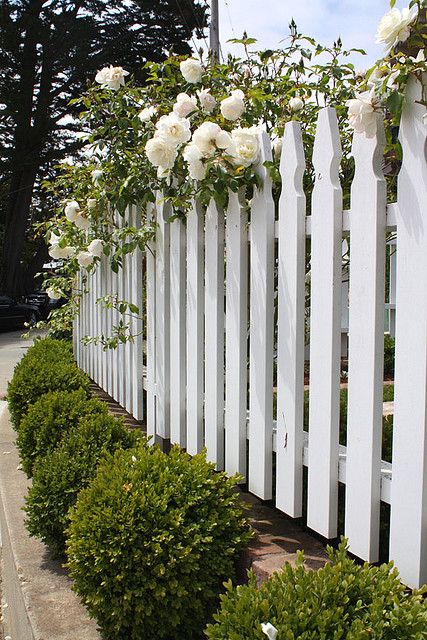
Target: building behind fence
(213, 338)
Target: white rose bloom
(160, 152)
(82, 223)
(173, 129)
(192, 70)
(425, 118)
(85, 259)
(245, 146)
(97, 175)
(204, 137)
(111, 77)
(233, 106)
(207, 101)
(72, 210)
(296, 104)
(394, 27)
(59, 253)
(53, 293)
(184, 105)
(362, 113)
(196, 170)
(91, 203)
(96, 247)
(54, 239)
(191, 153)
(223, 139)
(269, 630)
(146, 114)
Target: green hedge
(47, 366)
(52, 416)
(152, 540)
(61, 474)
(342, 601)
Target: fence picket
(408, 532)
(236, 353)
(325, 328)
(137, 351)
(177, 333)
(195, 326)
(162, 320)
(261, 331)
(366, 345)
(290, 341)
(214, 334)
(151, 332)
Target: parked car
(15, 314)
(44, 304)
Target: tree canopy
(49, 52)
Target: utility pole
(214, 30)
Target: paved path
(12, 348)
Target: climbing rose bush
(194, 131)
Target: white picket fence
(208, 372)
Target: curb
(36, 589)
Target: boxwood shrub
(152, 540)
(342, 601)
(35, 376)
(52, 416)
(61, 474)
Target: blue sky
(267, 20)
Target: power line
(229, 18)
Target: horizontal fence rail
(223, 294)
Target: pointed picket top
(265, 155)
(413, 127)
(368, 153)
(292, 158)
(327, 151)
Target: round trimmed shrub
(343, 601)
(36, 376)
(152, 540)
(51, 417)
(60, 475)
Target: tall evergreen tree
(49, 50)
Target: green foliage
(48, 366)
(52, 416)
(151, 541)
(388, 355)
(61, 474)
(342, 601)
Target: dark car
(15, 314)
(44, 304)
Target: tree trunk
(17, 219)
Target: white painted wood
(129, 296)
(392, 287)
(325, 328)
(178, 333)
(121, 363)
(97, 366)
(162, 320)
(195, 329)
(214, 335)
(77, 322)
(103, 315)
(138, 343)
(151, 333)
(236, 350)
(109, 314)
(408, 533)
(366, 346)
(291, 303)
(261, 331)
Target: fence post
(290, 340)
(151, 330)
(195, 326)
(261, 331)
(214, 334)
(366, 345)
(408, 531)
(325, 328)
(236, 340)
